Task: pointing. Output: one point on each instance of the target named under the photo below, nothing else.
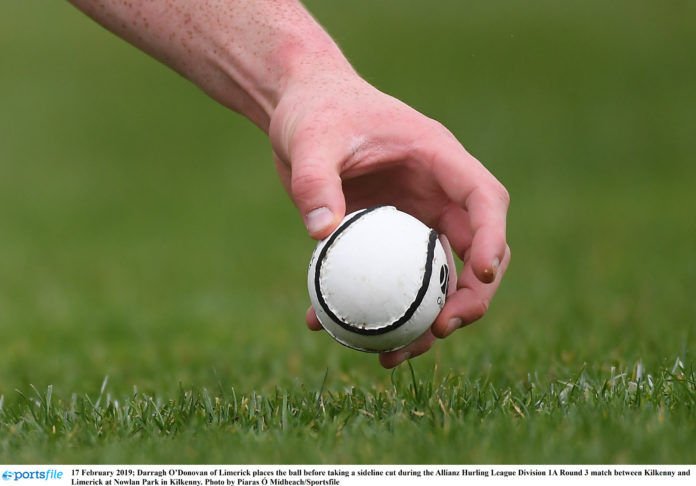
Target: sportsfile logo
(46, 475)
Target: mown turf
(460, 411)
(144, 236)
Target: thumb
(318, 194)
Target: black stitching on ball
(432, 239)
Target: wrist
(308, 61)
(288, 52)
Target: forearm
(243, 53)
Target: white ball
(379, 280)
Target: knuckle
(505, 195)
(426, 346)
(305, 182)
(499, 191)
(440, 129)
(479, 310)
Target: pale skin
(339, 144)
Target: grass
(144, 236)
(461, 411)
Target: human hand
(341, 145)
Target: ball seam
(410, 311)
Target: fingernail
(454, 324)
(489, 273)
(318, 219)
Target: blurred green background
(144, 234)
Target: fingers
(417, 347)
(315, 187)
(487, 208)
(470, 302)
(312, 322)
(484, 200)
